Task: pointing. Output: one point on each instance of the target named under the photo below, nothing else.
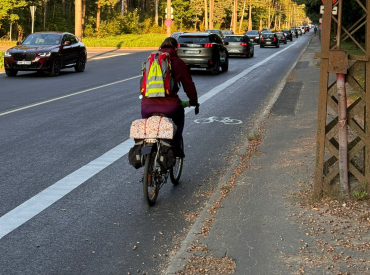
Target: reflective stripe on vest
(155, 83)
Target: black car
(288, 34)
(46, 52)
(218, 32)
(281, 37)
(176, 34)
(203, 50)
(239, 45)
(227, 32)
(269, 39)
(253, 36)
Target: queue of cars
(52, 51)
(211, 49)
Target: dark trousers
(175, 112)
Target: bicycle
(155, 175)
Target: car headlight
(257, 37)
(45, 54)
(7, 54)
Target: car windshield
(252, 32)
(268, 35)
(194, 39)
(42, 39)
(279, 34)
(234, 39)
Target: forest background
(103, 18)
(111, 18)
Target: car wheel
(277, 45)
(252, 54)
(11, 72)
(261, 46)
(55, 68)
(216, 68)
(285, 42)
(81, 63)
(225, 67)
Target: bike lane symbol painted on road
(224, 120)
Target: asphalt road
(71, 204)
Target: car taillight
(274, 39)
(178, 45)
(210, 45)
(243, 44)
(261, 38)
(211, 62)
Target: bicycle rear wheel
(150, 186)
(175, 171)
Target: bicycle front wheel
(150, 186)
(175, 171)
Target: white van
(302, 28)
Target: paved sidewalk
(255, 230)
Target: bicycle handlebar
(186, 104)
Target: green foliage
(130, 22)
(361, 193)
(2, 60)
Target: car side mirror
(18, 43)
(67, 43)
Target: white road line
(66, 96)
(32, 207)
(107, 56)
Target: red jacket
(181, 75)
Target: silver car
(239, 45)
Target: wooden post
(322, 108)
(367, 108)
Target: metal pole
(342, 116)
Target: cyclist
(171, 105)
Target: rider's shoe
(178, 153)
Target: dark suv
(46, 52)
(203, 50)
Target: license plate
(233, 51)
(268, 42)
(23, 62)
(192, 52)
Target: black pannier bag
(166, 156)
(134, 155)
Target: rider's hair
(169, 42)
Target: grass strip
(351, 48)
(126, 40)
(2, 60)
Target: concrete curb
(182, 255)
